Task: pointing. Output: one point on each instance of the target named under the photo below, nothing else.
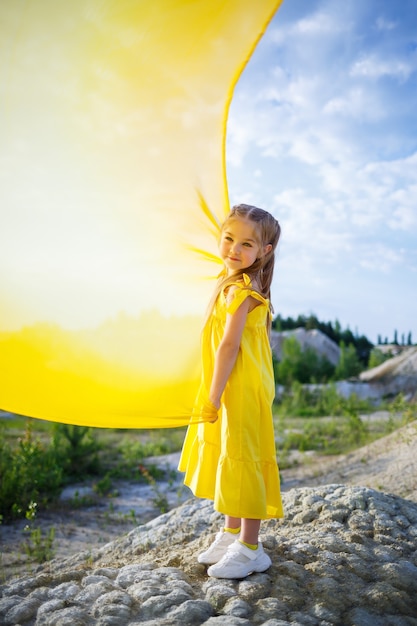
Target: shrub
(304, 366)
(77, 450)
(30, 473)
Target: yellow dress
(233, 460)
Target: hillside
(396, 374)
(313, 338)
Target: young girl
(231, 459)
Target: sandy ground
(389, 465)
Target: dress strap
(242, 293)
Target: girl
(231, 459)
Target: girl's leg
(243, 557)
(250, 528)
(232, 522)
(250, 531)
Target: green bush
(38, 545)
(34, 469)
(303, 366)
(29, 473)
(76, 449)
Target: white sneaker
(240, 561)
(218, 548)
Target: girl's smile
(238, 245)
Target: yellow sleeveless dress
(233, 460)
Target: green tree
(377, 357)
(349, 364)
(289, 369)
(312, 322)
(303, 366)
(277, 323)
(334, 331)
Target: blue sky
(323, 133)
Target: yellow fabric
(233, 460)
(112, 185)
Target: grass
(353, 424)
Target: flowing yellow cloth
(112, 185)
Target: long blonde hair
(267, 232)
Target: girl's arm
(228, 350)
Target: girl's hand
(210, 411)
(216, 403)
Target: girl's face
(239, 247)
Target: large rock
(342, 556)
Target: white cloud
(313, 25)
(381, 258)
(357, 103)
(318, 24)
(384, 24)
(404, 216)
(312, 224)
(370, 66)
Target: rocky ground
(342, 556)
(346, 553)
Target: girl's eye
(247, 244)
(228, 238)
